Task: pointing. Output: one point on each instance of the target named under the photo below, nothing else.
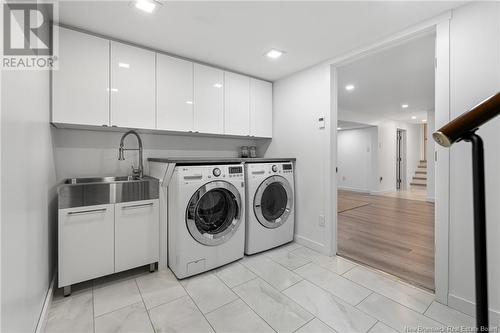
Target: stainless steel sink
(80, 192)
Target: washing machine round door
(273, 202)
(214, 212)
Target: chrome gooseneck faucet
(139, 171)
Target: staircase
(420, 178)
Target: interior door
(399, 158)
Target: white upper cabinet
(174, 93)
(237, 104)
(261, 108)
(132, 87)
(80, 84)
(208, 100)
(106, 83)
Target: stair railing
(464, 128)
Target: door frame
(440, 25)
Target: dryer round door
(273, 202)
(214, 212)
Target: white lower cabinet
(103, 239)
(86, 238)
(136, 234)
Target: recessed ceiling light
(404, 106)
(124, 65)
(349, 87)
(147, 5)
(413, 117)
(274, 54)
(424, 120)
(339, 128)
(189, 102)
(217, 85)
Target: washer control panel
(196, 173)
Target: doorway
(381, 226)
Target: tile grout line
(290, 269)
(145, 306)
(240, 298)
(408, 308)
(335, 295)
(331, 272)
(368, 330)
(260, 276)
(168, 302)
(93, 307)
(242, 283)
(192, 300)
(371, 293)
(314, 317)
(396, 301)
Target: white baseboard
(469, 308)
(42, 320)
(353, 189)
(383, 191)
(311, 244)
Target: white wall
(80, 153)
(475, 75)
(299, 100)
(354, 159)
(431, 146)
(28, 198)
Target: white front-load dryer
(270, 205)
(206, 217)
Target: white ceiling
(236, 34)
(386, 80)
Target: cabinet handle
(90, 211)
(137, 206)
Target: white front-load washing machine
(206, 217)
(270, 205)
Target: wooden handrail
(468, 122)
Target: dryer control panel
(266, 169)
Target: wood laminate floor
(394, 235)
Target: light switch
(321, 122)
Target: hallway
(391, 234)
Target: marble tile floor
(288, 289)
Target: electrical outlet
(321, 221)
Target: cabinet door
(236, 104)
(208, 100)
(132, 86)
(137, 234)
(261, 108)
(174, 94)
(86, 243)
(80, 84)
